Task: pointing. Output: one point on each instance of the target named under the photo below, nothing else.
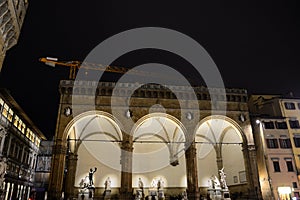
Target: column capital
(59, 149)
(127, 146)
(72, 156)
(251, 147)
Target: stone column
(57, 170)
(253, 172)
(126, 174)
(3, 134)
(248, 166)
(219, 159)
(191, 173)
(70, 177)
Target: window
(19, 156)
(269, 125)
(289, 165)
(295, 185)
(285, 143)
(29, 160)
(23, 128)
(37, 141)
(16, 121)
(1, 102)
(20, 125)
(281, 125)
(289, 106)
(298, 106)
(297, 141)
(5, 110)
(294, 123)
(273, 144)
(276, 166)
(28, 132)
(10, 115)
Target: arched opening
(94, 142)
(219, 142)
(158, 153)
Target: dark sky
(254, 44)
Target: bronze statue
(91, 173)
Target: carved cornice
(69, 87)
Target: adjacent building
(12, 14)
(19, 145)
(42, 170)
(278, 140)
(275, 158)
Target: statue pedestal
(87, 193)
(107, 194)
(161, 194)
(226, 194)
(215, 193)
(153, 194)
(139, 194)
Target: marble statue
(107, 184)
(215, 183)
(222, 178)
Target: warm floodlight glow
(284, 190)
(257, 121)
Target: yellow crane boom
(75, 65)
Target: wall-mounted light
(257, 121)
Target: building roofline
(20, 112)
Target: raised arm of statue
(91, 173)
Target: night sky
(255, 45)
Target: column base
(193, 195)
(126, 195)
(52, 195)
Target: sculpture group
(218, 189)
(87, 187)
(156, 189)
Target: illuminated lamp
(284, 190)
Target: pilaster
(57, 170)
(70, 177)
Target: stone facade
(110, 100)
(20, 140)
(12, 14)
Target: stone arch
(230, 135)
(228, 119)
(158, 114)
(162, 138)
(83, 137)
(114, 122)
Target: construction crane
(76, 65)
